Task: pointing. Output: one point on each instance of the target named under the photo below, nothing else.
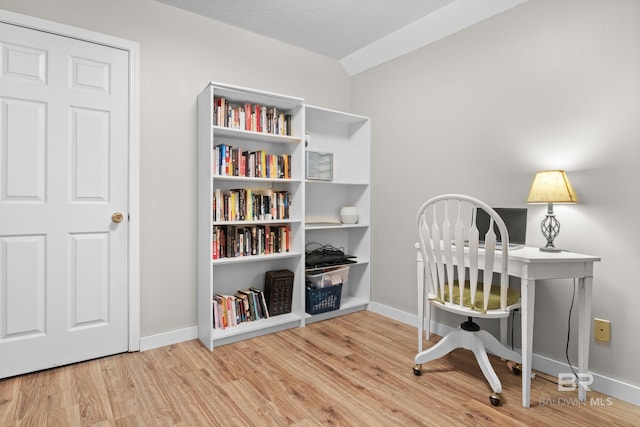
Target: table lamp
(551, 187)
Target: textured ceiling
(334, 28)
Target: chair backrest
(449, 242)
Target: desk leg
(527, 295)
(584, 331)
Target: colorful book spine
(251, 117)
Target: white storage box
(329, 276)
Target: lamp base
(550, 228)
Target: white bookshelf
(228, 275)
(347, 137)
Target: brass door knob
(117, 217)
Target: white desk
(531, 264)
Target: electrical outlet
(601, 329)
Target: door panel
(90, 138)
(89, 264)
(63, 173)
(22, 287)
(23, 150)
(24, 63)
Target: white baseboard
(605, 385)
(167, 338)
(609, 386)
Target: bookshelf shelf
(257, 222)
(360, 261)
(248, 179)
(312, 182)
(254, 258)
(245, 327)
(348, 304)
(345, 135)
(334, 226)
(239, 134)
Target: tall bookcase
(313, 205)
(347, 137)
(226, 275)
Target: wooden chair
(459, 278)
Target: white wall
(548, 84)
(180, 53)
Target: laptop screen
(514, 218)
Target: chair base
(478, 342)
(470, 325)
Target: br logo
(567, 381)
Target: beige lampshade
(552, 187)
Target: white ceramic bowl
(349, 215)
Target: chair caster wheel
(417, 370)
(495, 400)
(514, 367)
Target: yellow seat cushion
(513, 296)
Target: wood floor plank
(9, 392)
(353, 370)
(32, 401)
(92, 396)
(62, 407)
(59, 381)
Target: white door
(63, 174)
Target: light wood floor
(354, 370)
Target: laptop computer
(514, 218)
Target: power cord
(566, 350)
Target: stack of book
(246, 305)
(246, 204)
(235, 161)
(251, 117)
(234, 241)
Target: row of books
(235, 161)
(246, 204)
(233, 241)
(246, 305)
(251, 117)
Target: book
(228, 310)
(216, 313)
(251, 299)
(215, 243)
(221, 319)
(262, 303)
(245, 305)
